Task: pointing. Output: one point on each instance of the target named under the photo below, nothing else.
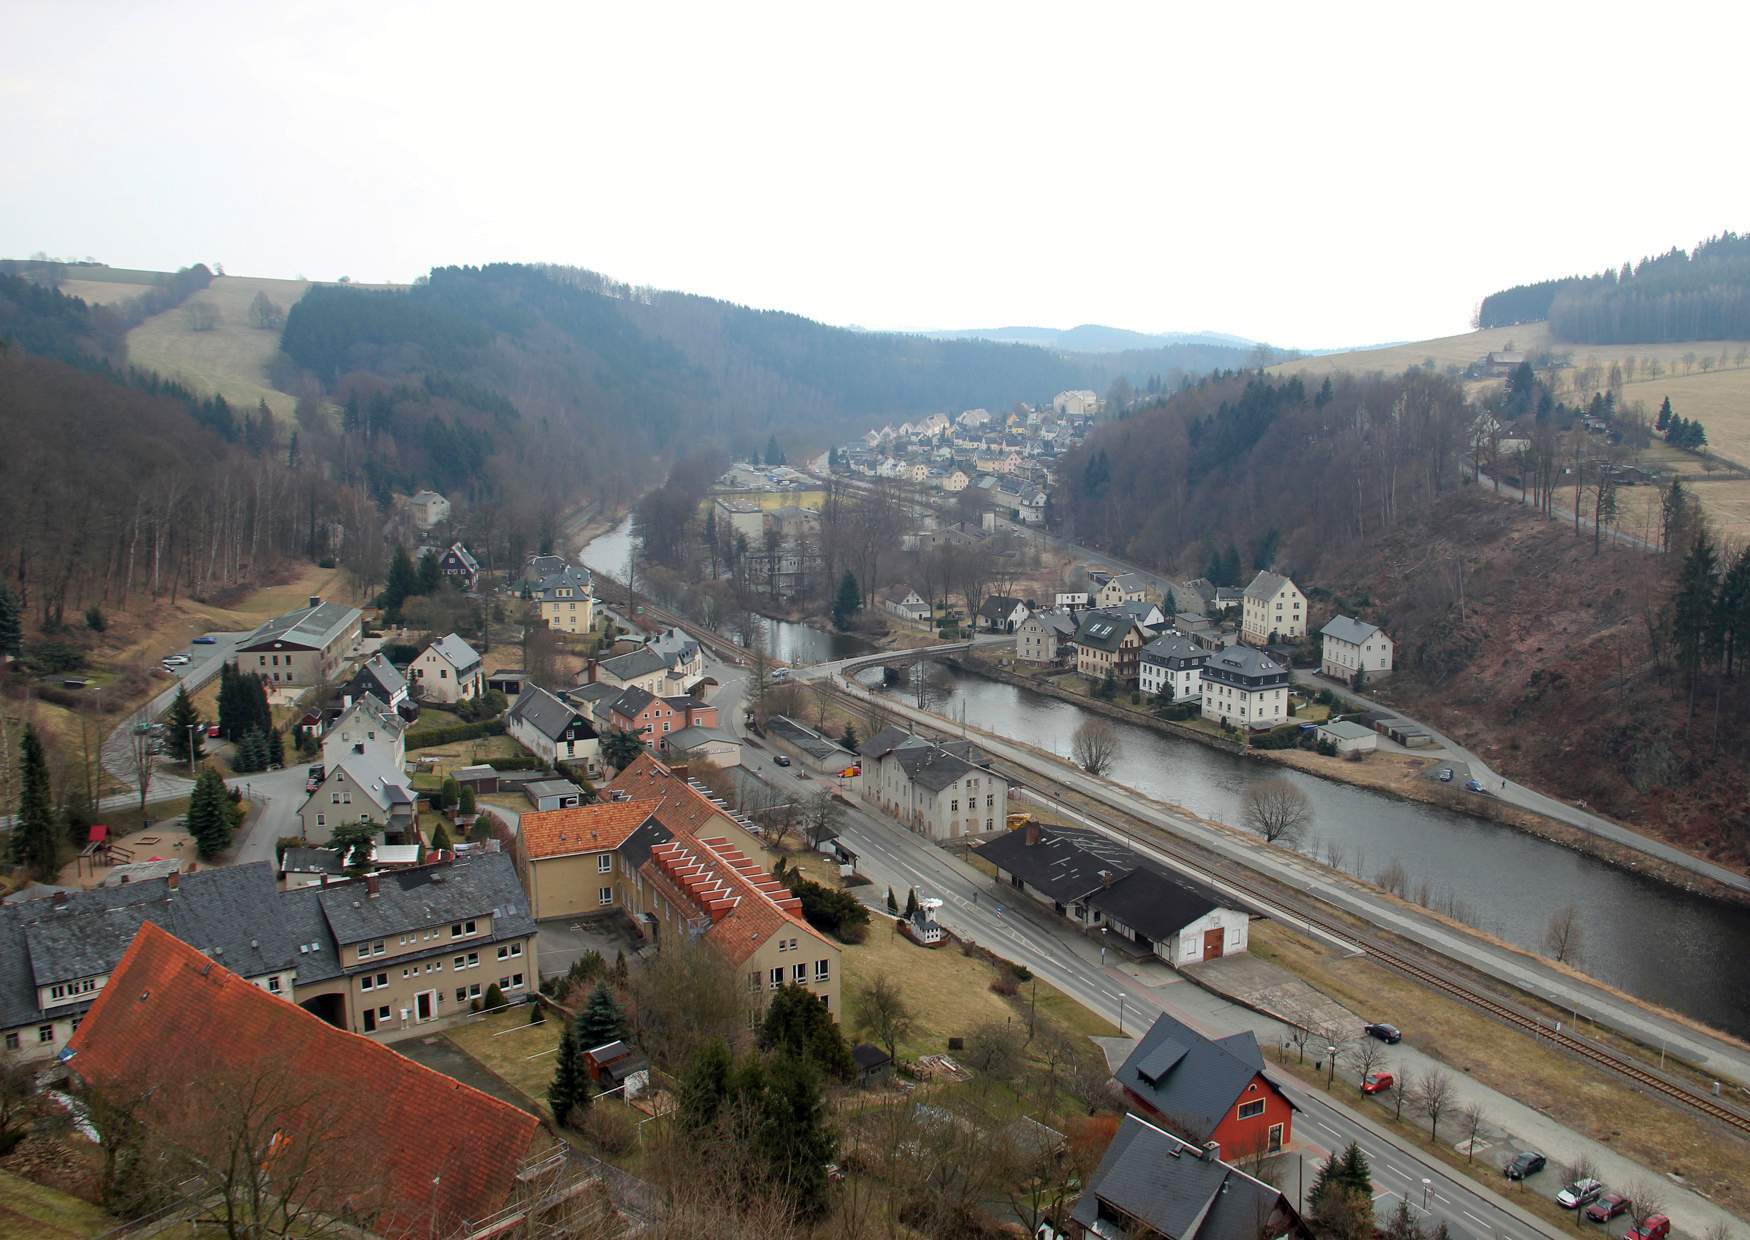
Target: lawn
(949, 993)
(506, 1043)
(30, 1211)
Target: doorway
(1212, 941)
(423, 1006)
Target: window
(273, 985)
(1251, 1110)
(777, 979)
(474, 991)
(822, 970)
(461, 994)
(990, 801)
(322, 820)
(799, 974)
(605, 895)
(954, 806)
(783, 945)
(604, 864)
(473, 960)
(509, 950)
(45, 1033)
(460, 962)
(378, 948)
(753, 985)
(370, 1021)
(364, 950)
(12, 1041)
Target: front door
(1275, 1138)
(422, 1009)
(1212, 940)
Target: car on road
(1607, 1207)
(313, 778)
(1445, 775)
(1525, 1163)
(212, 731)
(780, 673)
(779, 759)
(1385, 1033)
(1580, 1192)
(1378, 1083)
(1653, 1227)
(175, 660)
(204, 640)
(142, 728)
(1473, 785)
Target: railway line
(1232, 876)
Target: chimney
(1030, 833)
(679, 770)
(1211, 1151)
(315, 600)
(371, 885)
(591, 679)
(1106, 878)
(175, 876)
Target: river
(1666, 945)
(785, 640)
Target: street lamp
(191, 728)
(1427, 1188)
(1331, 1068)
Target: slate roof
(886, 741)
(1056, 865)
(1348, 629)
(155, 1024)
(313, 947)
(465, 556)
(803, 738)
(1242, 661)
(1061, 623)
(631, 701)
(456, 652)
(314, 627)
(228, 911)
(673, 644)
(688, 737)
(384, 715)
(1130, 582)
(1103, 628)
(583, 828)
(932, 767)
(1172, 645)
(1190, 1080)
(1264, 586)
(999, 607)
(543, 712)
(1173, 1189)
(384, 674)
(471, 886)
(635, 663)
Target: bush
(284, 842)
(52, 658)
(611, 1128)
(538, 1011)
(494, 997)
(1004, 984)
(94, 619)
(1283, 736)
(518, 762)
(836, 912)
(1135, 698)
(399, 653)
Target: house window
(605, 895)
(461, 994)
(1251, 1110)
(954, 806)
(378, 948)
(460, 962)
(12, 1041)
(777, 979)
(822, 970)
(604, 864)
(322, 820)
(753, 985)
(799, 974)
(273, 985)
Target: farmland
(232, 357)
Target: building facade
(447, 671)
(1272, 610)
(1351, 646)
(1171, 666)
(930, 789)
(303, 647)
(1245, 688)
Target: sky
(1309, 175)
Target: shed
(1349, 737)
(508, 681)
(872, 1062)
(1409, 735)
(482, 778)
(553, 794)
(813, 750)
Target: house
(1071, 600)
(931, 789)
(360, 789)
(1245, 688)
(1272, 610)
(1171, 666)
(542, 566)
(564, 600)
(1046, 637)
(552, 730)
(448, 670)
(1210, 1090)
(955, 481)
(1031, 509)
(1099, 884)
(642, 668)
(428, 509)
(1152, 1184)
(310, 867)
(1502, 362)
(366, 730)
(569, 857)
(871, 1062)
(907, 605)
(154, 1033)
(1108, 645)
(1147, 615)
(808, 747)
(553, 794)
(653, 718)
(1121, 588)
(379, 678)
(739, 519)
(1075, 403)
(686, 656)
(460, 566)
(302, 647)
(1349, 737)
(703, 744)
(1001, 614)
(1354, 647)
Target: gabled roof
(456, 652)
(1348, 629)
(383, 674)
(636, 663)
(1172, 645)
(1265, 586)
(1059, 622)
(630, 701)
(932, 767)
(1103, 629)
(465, 556)
(585, 828)
(477, 885)
(1172, 1187)
(154, 1024)
(1129, 582)
(689, 737)
(544, 712)
(377, 710)
(715, 881)
(1191, 1080)
(314, 627)
(999, 607)
(1242, 661)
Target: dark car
(1384, 1032)
(779, 759)
(1608, 1207)
(206, 641)
(1525, 1163)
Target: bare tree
(882, 1012)
(1472, 1116)
(684, 998)
(1581, 1167)
(1563, 937)
(1645, 1199)
(1403, 1087)
(996, 1051)
(1367, 1057)
(140, 765)
(1095, 745)
(1276, 810)
(821, 814)
(1434, 1097)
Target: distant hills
(1092, 338)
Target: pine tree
(34, 838)
(251, 752)
(1694, 608)
(892, 904)
(798, 1024)
(847, 602)
(1329, 1177)
(792, 1140)
(11, 624)
(184, 728)
(850, 740)
(1664, 420)
(401, 585)
(1355, 1171)
(276, 748)
(774, 454)
(620, 971)
(209, 818)
(570, 1088)
(431, 575)
(466, 802)
(705, 1087)
(493, 999)
(452, 793)
(1402, 1224)
(602, 1020)
(292, 451)
(911, 902)
(440, 837)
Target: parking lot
(561, 941)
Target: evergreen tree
(11, 624)
(493, 999)
(431, 574)
(34, 838)
(892, 904)
(1664, 421)
(850, 739)
(1402, 1224)
(354, 841)
(798, 1024)
(1328, 1178)
(911, 901)
(466, 802)
(1355, 1172)
(1172, 606)
(705, 1087)
(847, 602)
(276, 748)
(185, 728)
(792, 1142)
(774, 454)
(569, 1091)
(1673, 514)
(1732, 612)
(602, 1021)
(440, 837)
(620, 748)
(1694, 609)
(452, 793)
(209, 815)
(292, 451)
(401, 585)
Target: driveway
(560, 941)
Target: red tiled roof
(681, 808)
(583, 828)
(438, 1152)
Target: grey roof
(228, 913)
(312, 861)
(1130, 582)
(1189, 1079)
(932, 767)
(544, 712)
(1138, 609)
(1172, 644)
(1348, 629)
(868, 1057)
(314, 627)
(456, 652)
(595, 691)
(1243, 661)
(313, 947)
(1173, 1188)
(383, 674)
(465, 556)
(634, 850)
(886, 741)
(674, 643)
(803, 738)
(635, 663)
(999, 607)
(567, 582)
(386, 716)
(630, 701)
(1344, 730)
(1055, 864)
(1264, 586)
(551, 788)
(474, 886)
(1103, 628)
(687, 738)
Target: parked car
(204, 640)
(780, 673)
(1579, 1193)
(1526, 1162)
(1385, 1033)
(175, 660)
(313, 778)
(213, 731)
(1607, 1207)
(1653, 1227)
(779, 759)
(1378, 1083)
(142, 728)
(1446, 774)
(1473, 785)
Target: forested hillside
(1699, 295)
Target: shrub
(494, 997)
(51, 658)
(517, 762)
(1004, 984)
(538, 1011)
(611, 1128)
(449, 733)
(1135, 698)
(836, 912)
(1283, 736)
(284, 842)
(94, 619)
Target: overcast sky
(1311, 175)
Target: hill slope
(231, 358)
(1092, 338)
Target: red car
(1607, 1207)
(1656, 1227)
(213, 730)
(1378, 1083)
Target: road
(974, 909)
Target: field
(30, 1211)
(232, 358)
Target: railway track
(1484, 1001)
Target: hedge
(1286, 736)
(520, 762)
(455, 732)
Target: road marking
(1405, 1174)
(1473, 1218)
(1321, 1123)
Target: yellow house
(1273, 610)
(565, 602)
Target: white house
(1077, 402)
(1172, 667)
(1071, 600)
(428, 509)
(1245, 688)
(1121, 588)
(1354, 646)
(908, 605)
(553, 730)
(1349, 737)
(931, 789)
(1272, 610)
(448, 670)
(367, 729)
